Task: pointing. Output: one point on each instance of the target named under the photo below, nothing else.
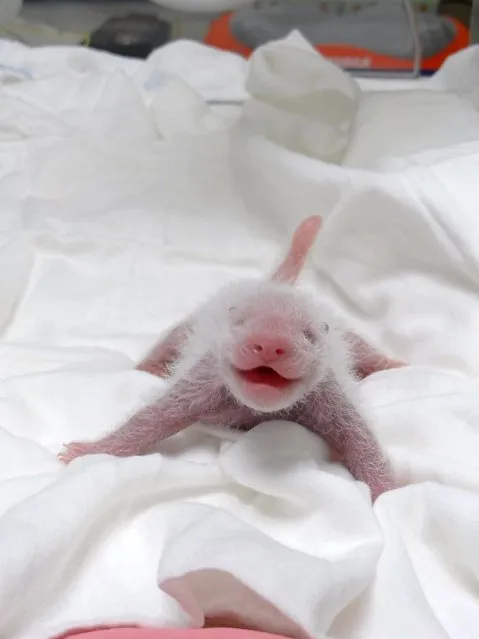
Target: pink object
(262, 350)
(152, 633)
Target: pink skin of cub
(256, 351)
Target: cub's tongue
(265, 375)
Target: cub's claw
(72, 451)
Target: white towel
(125, 201)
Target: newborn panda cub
(256, 351)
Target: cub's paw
(73, 450)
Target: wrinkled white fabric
(126, 199)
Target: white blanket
(125, 200)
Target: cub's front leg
(188, 400)
(330, 413)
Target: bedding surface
(129, 192)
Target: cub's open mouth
(264, 375)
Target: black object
(134, 35)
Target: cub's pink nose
(269, 348)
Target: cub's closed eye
(238, 321)
(310, 336)
(324, 327)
